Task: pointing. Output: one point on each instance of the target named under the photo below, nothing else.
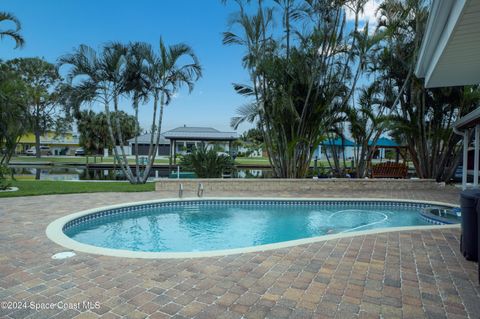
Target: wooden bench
(389, 170)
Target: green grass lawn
(47, 159)
(32, 188)
(252, 161)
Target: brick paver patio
(412, 274)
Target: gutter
(456, 131)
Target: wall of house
(56, 149)
(59, 144)
(163, 149)
(320, 152)
(183, 146)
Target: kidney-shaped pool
(204, 227)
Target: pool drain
(63, 255)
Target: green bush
(207, 163)
(4, 172)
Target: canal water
(72, 173)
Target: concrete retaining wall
(246, 185)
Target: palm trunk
(137, 164)
(126, 172)
(121, 142)
(152, 147)
(37, 133)
(157, 141)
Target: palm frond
(12, 33)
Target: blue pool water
(214, 225)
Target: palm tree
(98, 79)
(166, 76)
(12, 33)
(365, 120)
(137, 86)
(207, 163)
(421, 118)
(134, 71)
(299, 85)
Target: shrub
(4, 172)
(207, 163)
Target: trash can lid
(470, 193)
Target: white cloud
(368, 15)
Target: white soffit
(450, 52)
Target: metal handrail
(180, 190)
(200, 190)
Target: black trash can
(478, 239)
(469, 239)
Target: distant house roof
(145, 139)
(384, 142)
(199, 134)
(192, 129)
(338, 142)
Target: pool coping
(55, 232)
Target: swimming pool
(234, 225)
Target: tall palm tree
(97, 79)
(301, 81)
(12, 33)
(137, 86)
(365, 120)
(166, 75)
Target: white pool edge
(55, 232)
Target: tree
(14, 115)
(166, 76)
(12, 33)
(253, 135)
(365, 121)
(93, 129)
(134, 72)
(421, 118)
(301, 82)
(207, 163)
(42, 80)
(99, 79)
(250, 142)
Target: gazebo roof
(199, 133)
(384, 142)
(338, 142)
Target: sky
(53, 28)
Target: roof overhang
(201, 136)
(200, 139)
(450, 51)
(468, 121)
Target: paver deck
(412, 274)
